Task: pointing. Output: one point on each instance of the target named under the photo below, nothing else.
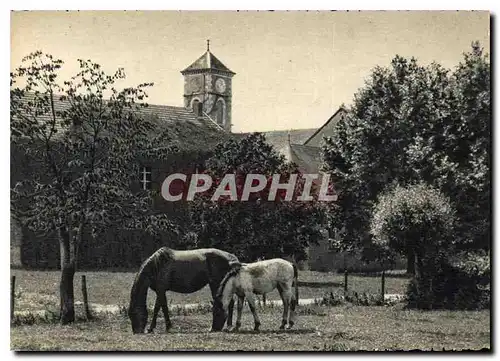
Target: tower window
(145, 178)
(197, 107)
(220, 116)
(221, 110)
(194, 104)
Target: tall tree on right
(413, 123)
(454, 155)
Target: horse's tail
(232, 273)
(296, 283)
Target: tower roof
(207, 61)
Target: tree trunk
(67, 294)
(410, 267)
(68, 269)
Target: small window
(220, 112)
(145, 178)
(220, 116)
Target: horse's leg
(241, 301)
(251, 302)
(230, 313)
(164, 307)
(289, 296)
(285, 300)
(152, 326)
(293, 304)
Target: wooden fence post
(12, 296)
(345, 283)
(85, 298)
(382, 289)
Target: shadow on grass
(297, 331)
(242, 332)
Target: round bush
(417, 217)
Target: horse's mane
(148, 273)
(232, 273)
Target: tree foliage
(417, 217)
(414, 123)
(420, 219)
(257, 228)
(84, 139)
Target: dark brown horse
(182, 272)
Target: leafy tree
(84, 140)
(257, 228)
(454, 154)
(418, 217)
(420, 220)
(413, 123)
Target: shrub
(32, 318)
(461, 282)
(359, 299)
(418, 219)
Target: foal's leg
(291, 320)
(164, 307)
(241, 300)
(152, 326)
(230, 313)
(251, 302)
(285, 300)
(293, 304)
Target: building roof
(308, 159)
(207, 61)
(317, 137)
(183, 127)
(279, 138)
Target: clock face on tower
(220, 85)
(195, 84)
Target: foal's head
(221, 300)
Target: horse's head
(219, 315)
(139, 318)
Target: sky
(293, 69)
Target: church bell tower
(208, 88)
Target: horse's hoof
(282, 327)
(150, 330)
(290, 325)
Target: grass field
(318, 328)
(39, 289)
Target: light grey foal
(261, 277)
